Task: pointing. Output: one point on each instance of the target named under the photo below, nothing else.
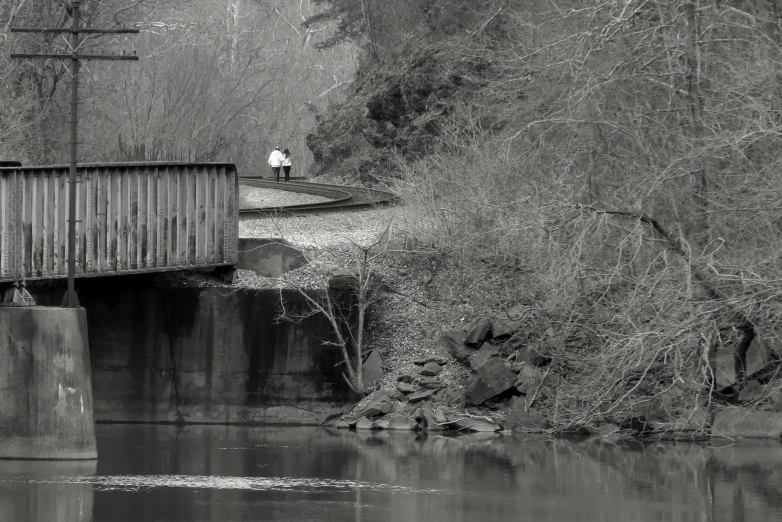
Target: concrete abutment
(46, 409)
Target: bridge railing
(131, 217)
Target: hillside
(603, 177)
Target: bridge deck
(131, 217)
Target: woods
(216, 81)
(616, 163)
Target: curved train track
(341, 198)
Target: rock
(751, 391)
(406, 387)
(637, 422)
(699, 418)
(420, 396)
(735, 421)
(479, 331)
(453, 342)
(407, 377)
(652, 408)
(425, 360)
(431, 369)
(533, 355)
(382, 423)
(491, 378)
(364, 424)
(342, 425)
(397, 421)
(519, 419)
(427, 419)
(486, 352)
(344, 280)
(372, 369)
(725, 368)
(528, 379)
(501, 327)
(431, 384)
(397, 395)
(776, 397)
(380, 403)
(440, 415)
(607, 429)
(470, 424)
(757, 358)
(418, 414)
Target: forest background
(606, 171)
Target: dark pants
(276, 173)
(287, 170)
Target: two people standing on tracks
(279, 160)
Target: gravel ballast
(256, 197)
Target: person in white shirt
(286, 164)
(275, 162)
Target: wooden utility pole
(75, 56)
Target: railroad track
(341, 198)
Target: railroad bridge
(130, 218)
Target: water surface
(221, 474)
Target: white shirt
(286, 162)
(275, 160)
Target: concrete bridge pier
(45, 384)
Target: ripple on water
(147, 482)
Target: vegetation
(614, 164)
(216, 81)
(617, 162)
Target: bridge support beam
(45, 384)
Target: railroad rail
(341, 197)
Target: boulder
(725, 368)
(379, 404)
(342, 425)
(520, 419)
(757, 358)
(476, 425)
(735, 421)
(453, 342)
(637, 422)
(364, 424)
(502, 327)
(431, 384)
(479, 331)
(751, 391)
(440, 415)
(344, 280)
(425, 360)
(406, 387)
(534, 355)
(491, 378)
(431, 369)
(382, 423)
(528, 379)
(486, 352)
(699, 418)
(420, 396)
(427, 419)
(606, 429)
(406, 377)
(372, 369)
(397, 421)
(652, 408)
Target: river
(149, 473)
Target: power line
(71, 299)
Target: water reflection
(200, 473)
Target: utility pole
(71, 300)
